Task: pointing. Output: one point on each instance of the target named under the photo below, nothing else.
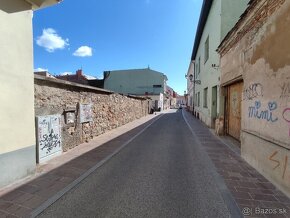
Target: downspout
(193, 97)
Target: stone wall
(108, 109)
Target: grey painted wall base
(16, 165)
(268, 158)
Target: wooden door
(234, 103)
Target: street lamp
(190, 77)
(193, 80)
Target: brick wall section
(251, 20)
(109, 109)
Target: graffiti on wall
(258, 112)
(286, 117)
(49, 141)
(49, 135)
(285, 90)
(253, 91)
(278, 162)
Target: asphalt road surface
(161, 173)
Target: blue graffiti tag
(255, 112)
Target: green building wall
(135, 82)
(222, 17)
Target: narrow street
(161, 173)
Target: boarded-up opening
(233, 110)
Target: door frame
(227, 106)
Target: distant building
(44, 73)
(17, 126)
(171, 96)
(180, 100)
(78, 77)
(140, 82)
(216, 19)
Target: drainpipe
(193, 97)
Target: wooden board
(234, 101)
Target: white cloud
(39, 69)
(51, 41)
(83, 51)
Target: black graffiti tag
(49, 141)
(253, 91)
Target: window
(198, 99)
(157, 86)
(197, 68)
(198, 65)
(205, 98)
(206, 50)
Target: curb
(225, 192)
(59, 194)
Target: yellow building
(17, 138)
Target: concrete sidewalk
(53, 178)
(253, 193)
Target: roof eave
(206, 6)
(38, 4)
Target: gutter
(206, 6)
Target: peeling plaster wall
(262, 58)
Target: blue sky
(99, 35)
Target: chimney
(79, 73)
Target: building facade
(190, 87)
(171, 97)
(17, 139)
(255, 66)
(216, 19)
(180, 100)
(139, 82)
